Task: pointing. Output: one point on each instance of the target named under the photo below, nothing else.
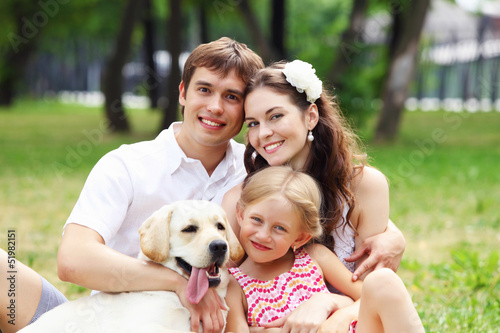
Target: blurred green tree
(22, 24)
(174, 38)
(151, 77)
(407, 23)
(112, 80)
(330, 34)
(29, 27)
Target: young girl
(278, 214)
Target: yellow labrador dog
(191, 237)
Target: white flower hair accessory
(302, 76)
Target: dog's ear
(236, 252)
(154, 235)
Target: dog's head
(191, 237)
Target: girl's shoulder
(325, 259)
(320, 253)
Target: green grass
(445, 192)
(46, 152)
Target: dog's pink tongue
(197, 285)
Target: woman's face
(277, 128)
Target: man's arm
(84, 259)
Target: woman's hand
(384, 250)
(208, 311)
(311, 314)
(340, 320)
(262, 330)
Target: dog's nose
(218, 248)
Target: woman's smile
(273, 146)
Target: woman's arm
(371, 213)
(229, 204)
(383, 250)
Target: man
(194, 159)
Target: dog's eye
(191, 228)
(220, 226)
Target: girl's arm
(312, 313)
(371, 214)
(236, 301)
(340, 277)
(334, 271)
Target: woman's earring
(310, 136)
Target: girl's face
(277, 128)
(269, 228)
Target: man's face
(213, 108)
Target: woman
(292, 120)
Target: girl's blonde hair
(298, 188)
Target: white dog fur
(184, 229)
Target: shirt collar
(177, 155)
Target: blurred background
(419, 81)
(379, 56)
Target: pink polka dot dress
(271, 300)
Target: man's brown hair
(222, 55)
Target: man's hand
(208, 311)
(383, 250)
